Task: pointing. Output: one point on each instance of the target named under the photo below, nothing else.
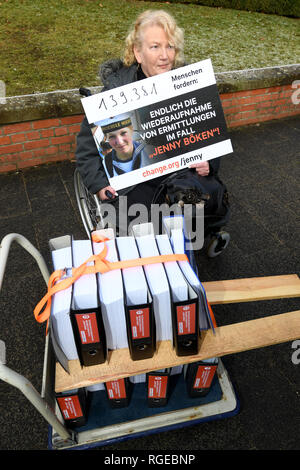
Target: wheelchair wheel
(218, 244)
(88, 205)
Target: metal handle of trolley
(10, 376)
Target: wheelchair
(89, 206)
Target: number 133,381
(121, 98)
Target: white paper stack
(175, 222)
(177, 241)
(96, 387)
(135, 285)
(174, 227)
(137, 379)
(85, 293)
(176, 370)
(112, 298)
(177, 282)
(158, 284)
(60, 308)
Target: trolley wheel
(88, 205)
(218, 244)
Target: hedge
(277, 7)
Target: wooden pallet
(226, 340)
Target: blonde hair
(154, 18)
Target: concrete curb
(62, 103)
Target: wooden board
(252, 289)
(229, 339)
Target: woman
(154, 45)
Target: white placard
(173, 120)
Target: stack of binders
(138, 304)
(131, 307)
(158, 384)
(155, 390)
(134, 306)
(157, 281)
(175, 230)
(184, 304)
(199, 376)
(77, 327)
(61, 326)
(86, 315)
(111, 293)
(119, 392)
(73, 406)
(175, 300)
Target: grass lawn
(59, 44)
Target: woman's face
(157, 53)
(121, 142)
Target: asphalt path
(262, 176)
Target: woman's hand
(102, 193)
(201, 168)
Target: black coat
(113, 74)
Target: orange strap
(100, 265)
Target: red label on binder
(140, 323)
(157, 386)
(186, 319)
(116, 389)
(70, 407)
(88, 327)
(204, 376)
